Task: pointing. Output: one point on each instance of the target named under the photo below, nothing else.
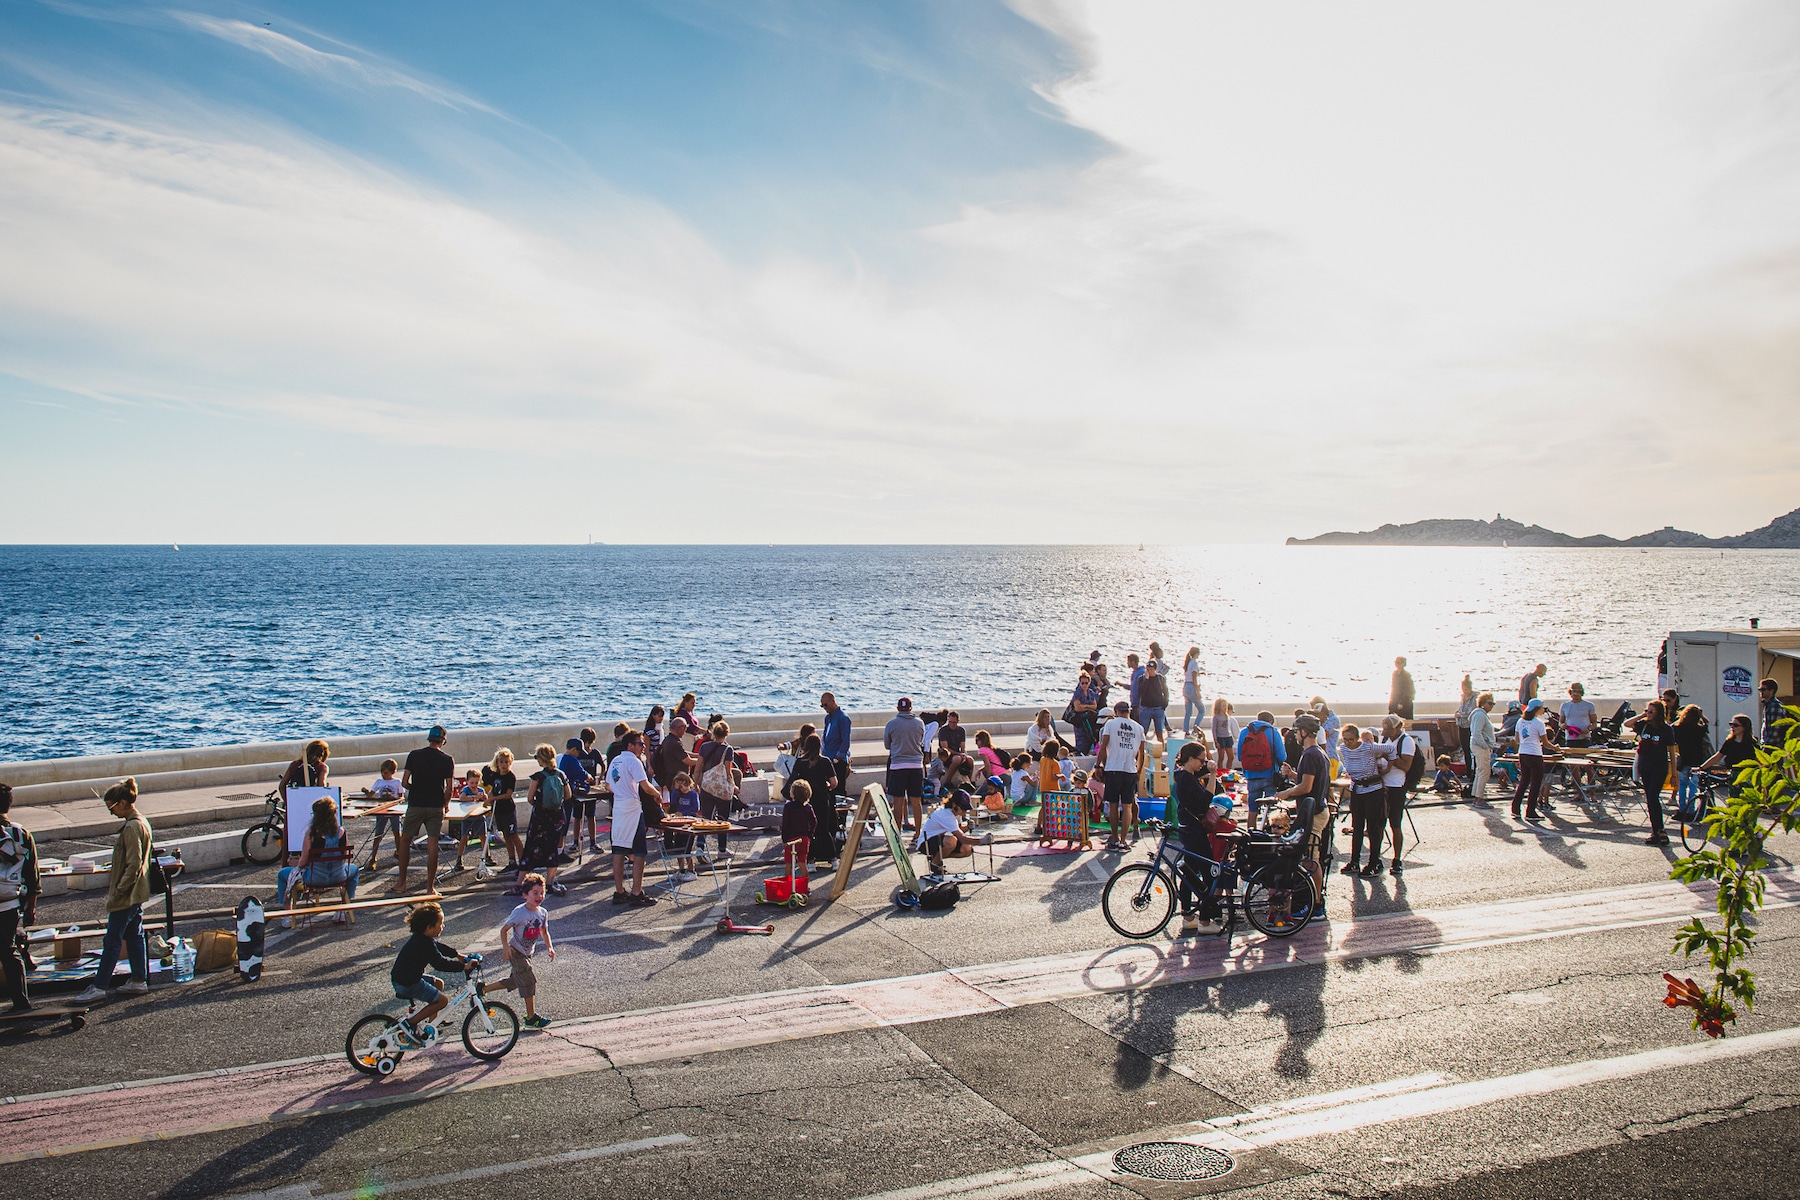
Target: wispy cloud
(356, 69)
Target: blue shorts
(424, 991)
(387, 823)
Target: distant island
(1783, 533)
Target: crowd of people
(678, 764)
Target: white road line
(304, 1191)
(1356, 1108)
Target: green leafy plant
(1767, 800)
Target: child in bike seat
(423, 950)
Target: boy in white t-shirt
(387, 788)
(527, 927)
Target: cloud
(358, 71)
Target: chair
(302, 894)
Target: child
(1020, 787)
(526, 927)
(1050, 768)
(797, 824)
(1096, 790)
(408, 976)
(473, 828)
(385, 789)
(684, 799)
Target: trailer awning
(1793, 654)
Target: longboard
(75, 1015)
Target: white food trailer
(1720, 670)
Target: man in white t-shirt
(1119, 754)
(941, 834)
(631, 791)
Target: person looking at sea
(1400, 693)
(1153, 702)
(834, 739)
(428, 778)
(127, 891)
(1136, 680)
(1191, 708)
(1528, 683)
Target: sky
(808, 271)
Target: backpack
(1415, 772)
(552, 791)
(12, 861)
(1259, 752)
(939, 896)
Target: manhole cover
(1173, 1160)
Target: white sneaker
(134, 987)
(93, 995)
(686, 877)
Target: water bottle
(184, 960)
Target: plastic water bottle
(183, 950)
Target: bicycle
(377, 1043)
(1266, 879)
(264, 841)
(1693, 813)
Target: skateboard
(74, 1015)
(960, 878)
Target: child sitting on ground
(526, 928)
(408, 976)
(1020, 786)
(386, 788)
(684, 800)
(1095, 784)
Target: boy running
(525, 929)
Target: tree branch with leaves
(1765, 799)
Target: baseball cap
(1532, 706)
(960, 799)
(436, 733)
(905, 704)
(572, 744)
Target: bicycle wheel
(490, 1030)
(363, 1049)
(1693, 822)
(1280, 901)
(262, 843)
(1138, 900)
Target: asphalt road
(1004, 1101)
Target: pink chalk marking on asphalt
(168, 1108)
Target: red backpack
(1259, 753)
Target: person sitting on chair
(324, 859)
(942, 835)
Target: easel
(874, 800)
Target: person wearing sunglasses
(1738, 748)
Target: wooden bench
(354, 906)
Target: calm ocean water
(131, 648)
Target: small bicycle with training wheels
(1264, 878)
(379, 1041)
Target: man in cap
(942, 836)
(904, 738)
(1120, 757)
(429, 775)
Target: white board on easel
(300, 803)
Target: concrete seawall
(259, 764)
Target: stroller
(1610, 731)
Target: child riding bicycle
(411, 982)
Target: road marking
(156, 1109)
(1357, 1108)
(388, 1187)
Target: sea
(120, 648)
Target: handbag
(716, 781)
